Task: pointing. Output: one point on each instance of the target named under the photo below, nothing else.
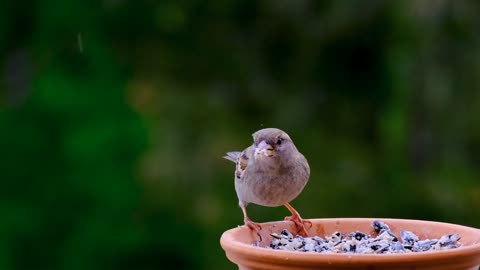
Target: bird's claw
(307, 222)
(300, 224)
(254, 227)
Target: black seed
(374, 246)
(286, 233)
(358, 235)
(397, 246)
(408, 238)
(378, 225)
(424, 245)
(274, 235)
(395, 238)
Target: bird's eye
(279, 141)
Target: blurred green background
(114, 116)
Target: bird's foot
(300, 224)
(248, 222)
(254, 227)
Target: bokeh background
(114, 116)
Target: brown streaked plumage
(271, 172)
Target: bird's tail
(232, 156)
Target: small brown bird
(271, 172)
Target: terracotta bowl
(238, 247)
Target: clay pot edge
(294, 257)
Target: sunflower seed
(386, 242)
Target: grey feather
(232, 156)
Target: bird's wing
(232, 156)
(242, 162)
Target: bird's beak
(264, 149)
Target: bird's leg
(299, 222)
(249, 223)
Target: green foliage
(114, 116)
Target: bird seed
(386, 242)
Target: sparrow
(271, 172)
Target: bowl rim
(229, 244)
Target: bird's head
(271, 142)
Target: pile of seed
(386, 242)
